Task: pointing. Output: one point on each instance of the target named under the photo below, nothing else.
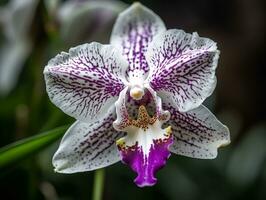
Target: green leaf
(19, 150)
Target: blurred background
(34, 31)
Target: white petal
(197, 133)
(132, 33)
(182, 68)
(87, 147)
(85, 82)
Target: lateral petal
(182, 68)
(85, 82)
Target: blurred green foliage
(33, 31)
(11, 154)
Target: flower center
(137, 92)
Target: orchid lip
(146, 147)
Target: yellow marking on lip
(168, 130)
(120, 142)
(143, 119)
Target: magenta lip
(146, 166)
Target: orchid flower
(137, 99)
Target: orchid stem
(98, 184)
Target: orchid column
(137, 99)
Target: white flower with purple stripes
(137, 99)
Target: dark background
(239, 172)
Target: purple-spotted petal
(197, 133)
(132, 33)
(145, 148)
(182, 68)
(85, 82)
(88, 147)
